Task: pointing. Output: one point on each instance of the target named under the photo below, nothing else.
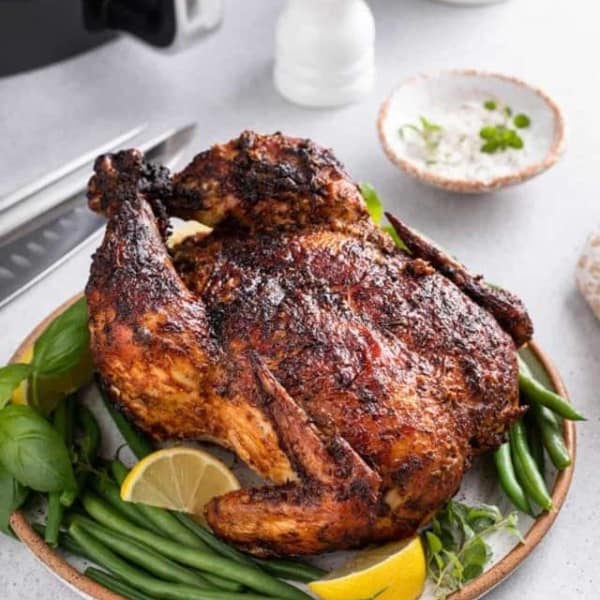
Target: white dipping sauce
(458, 152)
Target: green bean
(213, 542)
(534, 391)
(534, 441)
(65, 541)
(146, 517)
(110, 492)
(91, 438)
(53, 519)
(88, 448)
(286, 569)
(524, 367)
(528, 473)
(63, 423)
(69, 496)
(519, 474)
(162, 519)
(141, 555)
(251, 577)
(171, 527)
(508, 480)
(140, 580)
(119, 471)
(140, 445)
(294, 570)
(552, 436)
(115, 585)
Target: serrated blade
(39, 247)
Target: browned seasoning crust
(358, 379)
(506, 308)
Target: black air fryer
(34, 33)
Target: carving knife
(39, 246)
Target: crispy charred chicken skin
(358, 379)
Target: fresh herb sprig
(10, 378)
(429, 132)
(55, 352)
(373, 202)
(12, 496)
(32, 453)
(498, 138)
(375, 208)
(457, 551)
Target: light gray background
(527, 238)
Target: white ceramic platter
(479, 486)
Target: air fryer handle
(172, 24)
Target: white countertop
(527, 238)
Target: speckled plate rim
(57, 564)
(475, 186)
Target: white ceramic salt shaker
(325, 52)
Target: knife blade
(39, 184)
(40, 246)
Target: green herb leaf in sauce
(430, 134)
(499, 139)
(521, 121)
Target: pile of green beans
(141, 447)
(79, 429)
(148, 552)
(520, 461)
(63, 423)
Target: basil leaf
(429, 126)
(476, 553)
(59, 348)
(456, 548)
(481, 524)
(471, 571)
(513, 530)
(434, 542)
(397, 240)
(373, 202)
(12, 495)
(10, 378)
(33, 452)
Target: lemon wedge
(394, 571)
(179, 478)
(51, 390)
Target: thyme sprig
(457, 551)
(429, 132)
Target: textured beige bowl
(413, 97)
(475, 589)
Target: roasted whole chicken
(357, 378)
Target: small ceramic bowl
(426, 94)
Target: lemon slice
(53, 389)
(180, 478)
(395, 571)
